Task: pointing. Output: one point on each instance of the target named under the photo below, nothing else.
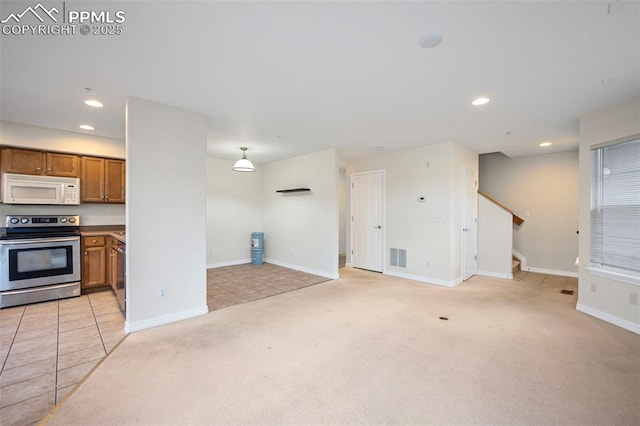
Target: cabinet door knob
(86, 253)
(93, 241)
(37, 168)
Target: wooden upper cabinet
(64, 165)
(31, 162)
(22, 161)
(103, 180)
(114, 180)
(92, 180)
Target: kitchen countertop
(118, 234)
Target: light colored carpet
(370, 349)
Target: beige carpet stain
(371, 349)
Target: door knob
(377, 227)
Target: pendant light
(244, 165)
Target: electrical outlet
(593, 287)
(633, 298)
(426, 264)
(163, 293)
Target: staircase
(496, 224)
(515, 265)
(516, 219)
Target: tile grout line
(15, 334)
(96, 321)
(55, 383)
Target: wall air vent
(398, 257)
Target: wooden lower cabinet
(94, 268)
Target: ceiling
(288, 78)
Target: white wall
(435, 172)
(166, 214)
(547, 187)
(16, 134)
(234, 211)
(301, 229)
(22, 135)
(494, 239)
(90, 213)
(604, 298)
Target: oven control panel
(42, 221)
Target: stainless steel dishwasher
(119, 250)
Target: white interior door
(469, 222)
(367, 211)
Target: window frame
(598, 268)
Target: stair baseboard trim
(423, 279)
(325, 274)
(611, 319)
(228, 263)
(494, 274)
(130, 327)
(551, 272)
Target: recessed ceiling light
(480, 101)
(87, 127)
(93, 103)
(379, 148)
(546, 143)
(430, 40)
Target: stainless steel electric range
(39, 259)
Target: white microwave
(30, 189)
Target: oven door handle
(39, 240)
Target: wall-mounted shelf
(286, 191)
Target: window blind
(615, 207)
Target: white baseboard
(131, 327)
(525, 267)
(325, 274)
(551, 272)
(422, 279)
(494, 274)
(611, 319)
(228, 263)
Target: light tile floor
(232, 285)
(47, 348)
